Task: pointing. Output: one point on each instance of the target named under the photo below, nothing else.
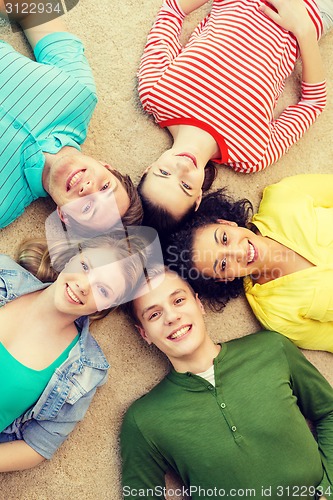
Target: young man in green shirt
(45, 109)
(229, 419)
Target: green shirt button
(234, 428)
(223, 405)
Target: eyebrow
(149, 308)
(180, 184)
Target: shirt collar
(191, 381)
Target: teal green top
(22, 386)
(247, 432)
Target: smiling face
(90, 282)
(174, 182)
(225, 251)
(171, 317)
(88, 191)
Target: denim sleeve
(66, 52)
(45, 436)
(6, 264)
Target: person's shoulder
(151, 402)
(262, 339)
(8, 263)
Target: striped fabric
(44, 106)
(228, 78)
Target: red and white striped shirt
(227, 80)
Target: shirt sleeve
(45, 436)
(162, 47)
(317, 186)
(291, 125)
(66, 52)
(143, 467)
(315, 399)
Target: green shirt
(248, 432)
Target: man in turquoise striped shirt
(45, 109)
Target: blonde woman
(50, 365)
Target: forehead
(167, 193)
(99, 257)
(161, 293)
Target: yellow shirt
(298, 212)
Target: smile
(177, 334)
(251, 255)
(190, 157)
(73, 179)
(73, 297)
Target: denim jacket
(70, 390)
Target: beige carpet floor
(87, 465)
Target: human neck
(199, 360)
(196, 141)
(51, 160)
(43, 300)
(280, 261)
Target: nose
(182, 166)
(83, 286)
(171, 314)
(238, 254)
(86, 187)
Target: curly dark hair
(178, 252)
(159, 218)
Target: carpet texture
(87, 466)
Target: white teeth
(72, 295)
(251, 253)
(180, 332)
(75, 178)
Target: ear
(227, 222)
(198, 301)
(63, 216)
(106, 165)
(198, 201)
(143, 334)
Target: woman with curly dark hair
(181, 256)
(286, 257)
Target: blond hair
(34, 256)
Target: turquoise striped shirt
(44, 105)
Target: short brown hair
(134, 214)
